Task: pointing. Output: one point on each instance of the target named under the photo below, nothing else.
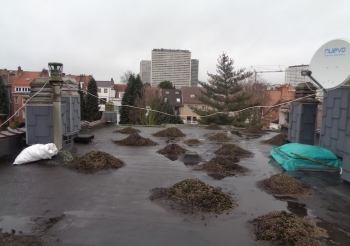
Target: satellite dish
(330, 65)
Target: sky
(105, 38)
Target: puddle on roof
(8, 223)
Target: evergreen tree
(166, 85)
(82, 103)
(4, 99)
(133, 90)
(224, 93)
(158, 104)
(91, 103)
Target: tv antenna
(330, 65)
(269, 71)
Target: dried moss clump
(93, 162)
(253, 130)
(193, 141)
(172, 149)
(232, 150)
(213, 126)
(128, 130)
(224, 166)
(220, 137)
(282, 228)
(136, 140)
(277, 140)
(195, 195)
(282, 184)
(171, 132)
(20, 240)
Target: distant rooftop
(169, 50)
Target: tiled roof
(119, 87)
(108, 84)
(25, 79)
(189, 94)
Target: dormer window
(166, 92)
(192, 96)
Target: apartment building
(293, 75)
(171, 65)
(194, 72)
(145, 71)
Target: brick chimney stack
(19, 70)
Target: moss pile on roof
(193, 141)
(213, 126)
(94, 161)
(135, 140)
(282, 184)
(277, 140)
(220, 137)
(128, 130)
(169, 132)
(232, 150)
(172, 149)
(282, 228)
(197, 195)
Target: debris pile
(213, 126)
(169, 132)
(19, 240)
(232, 150)
(253, 130)
(172, 149)
(224, 166)
(194, 195)
(135, 140)
(220, 137)
(94, 161)
(277, 140)
(192, 142)
(282, 184)
(282, 228)
(127, 130)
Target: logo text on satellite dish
(335, 51)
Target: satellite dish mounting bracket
(308, 73)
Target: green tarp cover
(283, 155)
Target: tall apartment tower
(171, 65)
(145, 71)
(194, 72)
(293, 75)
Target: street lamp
(55, 69)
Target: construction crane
(272, 71)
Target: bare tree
(125, 77)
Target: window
(16, 100)
(166, 92)
(203, 107)
(189, 107)
(17, 113)
(192, 96)
(99, 90)
(81, 85)
(121, 94)
(105, 90)
(178, 100)
(176, 92)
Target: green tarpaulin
(294, 155)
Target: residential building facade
(277, 96)
(145, 71)
(174, 97)
(171, 65)
(293, 75)
(189, 98)
(194, 72)
(20, 92)
(105, 92)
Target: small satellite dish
(330, 65)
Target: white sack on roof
(36, 152)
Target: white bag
(36, 152)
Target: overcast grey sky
(107, 37)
